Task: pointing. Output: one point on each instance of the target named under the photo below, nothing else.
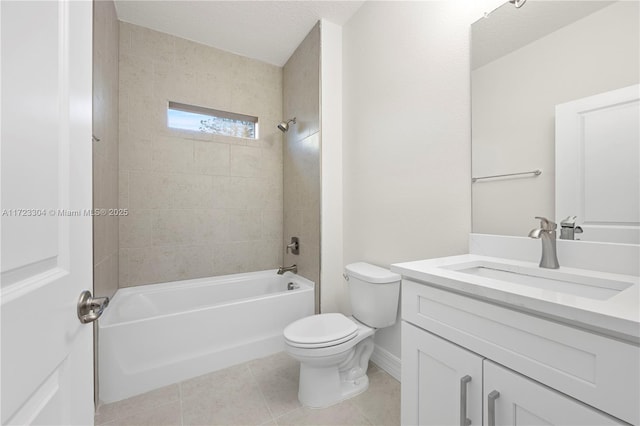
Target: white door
(598, 165)
(512, 399)
(441, 382)
(46, 168)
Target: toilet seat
(319, 331)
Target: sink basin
(604, 302)
(576, 284)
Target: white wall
(331, 219)
(406, 137)
(514, 99)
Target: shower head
(284, 125)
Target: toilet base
(354, 387)
(321, 389)
(326, 385)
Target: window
(208, 120)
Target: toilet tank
(374, 293)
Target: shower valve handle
(294, 247)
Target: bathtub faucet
(293, 268)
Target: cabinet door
(441, 382)
(517, 400)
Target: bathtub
(154, 335)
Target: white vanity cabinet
(453, 384)
(545, 372)
(512, 399)
(441, 382)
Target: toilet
(334, 349)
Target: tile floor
(259, 392)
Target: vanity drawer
(597, 370)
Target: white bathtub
(154, 335)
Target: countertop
(617, 316)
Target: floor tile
(380, 403)
(130, 406)
(231, 379)
(344, 413)
(164, 415)
(277, 361)
(240, 405)
(259, 392)
(278, 381)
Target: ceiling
(269, 31)
(507, 28)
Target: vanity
(491, 337)
(489, 341)
(494, 336)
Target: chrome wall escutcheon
(464, 421)
(90, 308)
(491, 407)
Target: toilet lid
(320, 330)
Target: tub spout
(293, 268)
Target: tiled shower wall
(105, 152)
(302, 157)
(199, 205)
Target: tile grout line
(261, 393)
(180, 399)
(362, 412)
(287, 413)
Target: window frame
(215, 113)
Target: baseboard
(387, 361)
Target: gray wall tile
(200, 204)
(301, 157)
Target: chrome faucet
(547, 234)
(293, 268)
(568, 228)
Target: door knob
(90, 308)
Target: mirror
(546, 95)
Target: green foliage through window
(207, 120)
